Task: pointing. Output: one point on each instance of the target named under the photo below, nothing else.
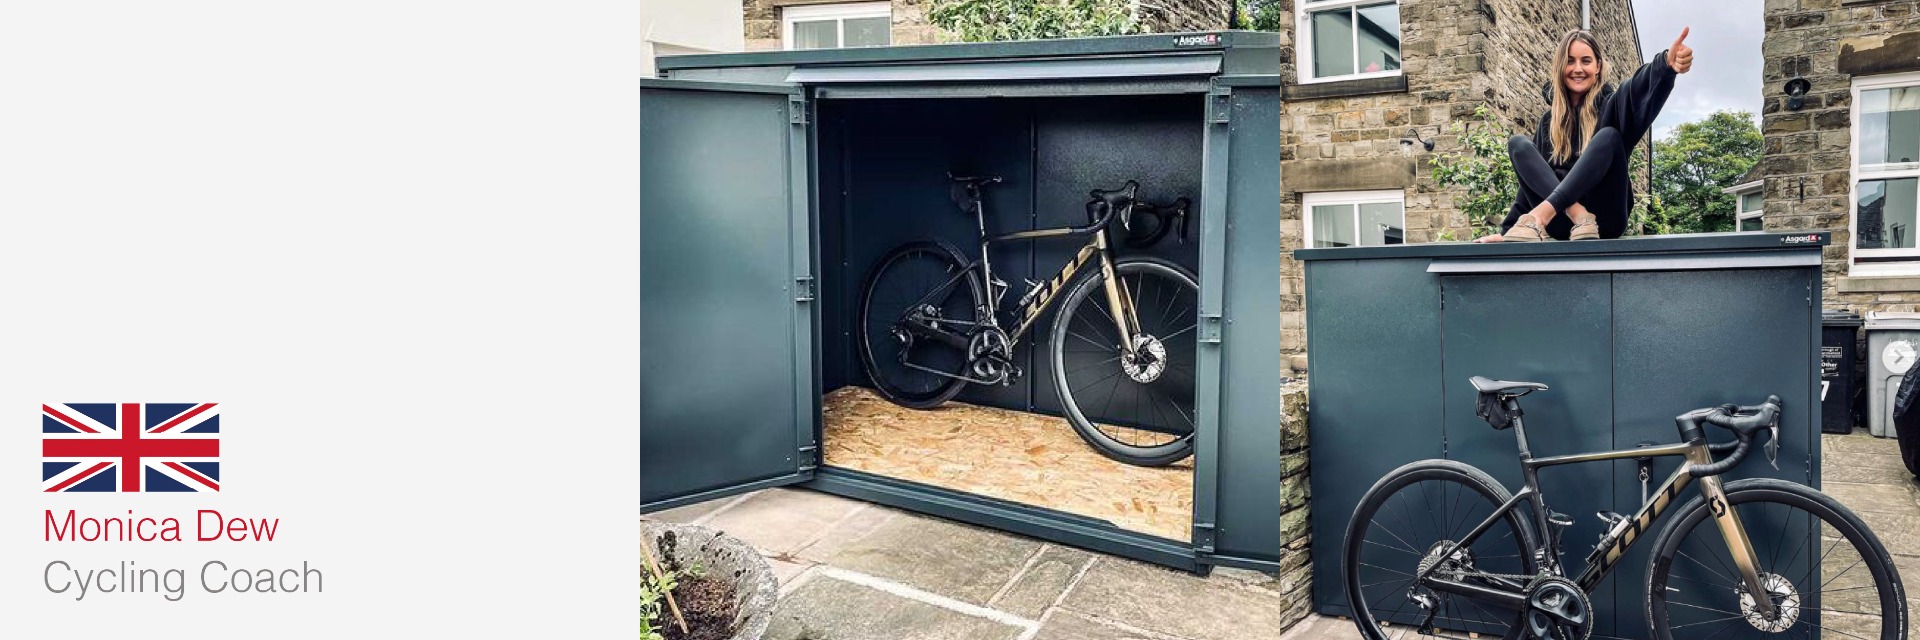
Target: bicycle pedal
(1558, 519)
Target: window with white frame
(1355, 218)
(836, 26)
(1886, 174)
(1347, 39)
(1747, 205)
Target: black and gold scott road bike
(1439, 549)
(1122, 344)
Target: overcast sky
(1726, 55)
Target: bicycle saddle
(1505, 387)
(974, 180)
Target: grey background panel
(719, 260)
(1550, 328)
(1249, 478)
(1376, 404)
(1690, 340)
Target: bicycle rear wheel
(1826, 572)
(931, 280)
(1408, 520)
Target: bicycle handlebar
(1743, 421)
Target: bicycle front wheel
(1826, 573)
(1407, 522)
(1136, 408)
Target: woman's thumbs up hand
(1680, 56)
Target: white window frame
(1303, 52)
(1356, 198)
(1740, 193)
(838, 13)
(1856, 176)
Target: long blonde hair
(1561, 129)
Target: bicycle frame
(1127, 322)
(1623, 534)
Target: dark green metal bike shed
(768, 177)
(1628, 333)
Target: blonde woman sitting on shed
(1573, 173)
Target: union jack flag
(130, 447)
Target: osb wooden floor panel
(1022, 457)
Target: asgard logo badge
(129, 447)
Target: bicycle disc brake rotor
(1147, 360)
(1558, 610)
(1786, 605)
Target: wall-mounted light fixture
(1797, 93)
(1413, 136)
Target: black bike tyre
(1149, 456)
(972, 288)
(1893, 601)
(1383, 490)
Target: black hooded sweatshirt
(1631, 111)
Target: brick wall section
(1807, 159)
(910, 24)
(1456, 55)
(1296, 572)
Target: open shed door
(726, 290)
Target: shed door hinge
(1203, 536)
(803, 289)
(1210, 328)
(809, 458)
(797, 109)
(1219, 105)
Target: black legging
(1540, 181)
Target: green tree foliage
(1698, 159)
(1482, 168)
(1261, 15)
(1000, 20)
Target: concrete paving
(1859, 470)
(850, 570)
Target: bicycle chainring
(1556, 609)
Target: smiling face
(1581, 70)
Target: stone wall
(1296, 569)
(1807, 163)
(1456, 55)
(910, 24)
(1168, 16)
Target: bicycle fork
(1739, 547)
(1125, 320)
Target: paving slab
(1318, 627)
(780, 521)
(1045, 579)
(1900, 532)
(689, 513)
(957, 561)
(1866, 468)
(1066, 625)
(1859, 442)
(1175, 603)
(826, 608)
(856, 526)
(1890, 498)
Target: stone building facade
(1344, 136)
(1860, 64)
(764, 26)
